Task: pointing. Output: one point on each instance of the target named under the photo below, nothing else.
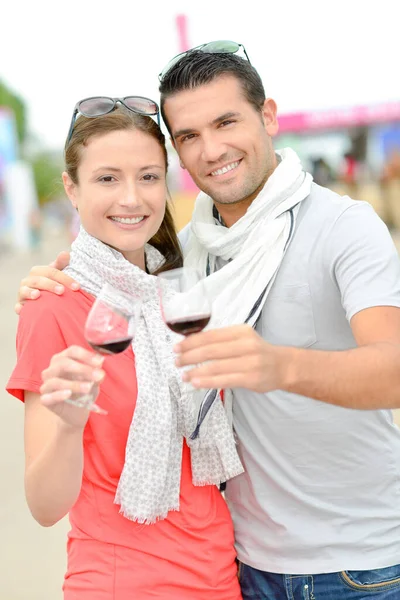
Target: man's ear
(269, 113)
(70, 189)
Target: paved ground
(32, 559)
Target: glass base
(87, 402)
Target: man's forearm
(365, 378)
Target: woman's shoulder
(52, 310)
(56, 303)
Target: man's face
(222, 140)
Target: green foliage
(46, 166)
(47, 172)
(17, 105)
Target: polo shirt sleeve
(39, 337)
(363, 260)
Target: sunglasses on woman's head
(218, 47)
(102, 105)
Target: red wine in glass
(185, 305)
(109, 329)
(189, 325)
(112, 346)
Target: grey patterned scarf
(165, 411)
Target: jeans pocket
(373, 580)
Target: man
(311, 283)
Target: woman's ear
(70, 189)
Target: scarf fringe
(148, 519)
(217, 481)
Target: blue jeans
(377, 584)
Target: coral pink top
(190, 554)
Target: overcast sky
(310, 53)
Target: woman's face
(121, 191)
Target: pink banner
(187, 183)
(338, 118)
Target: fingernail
(185, 376)
(196, 383)
(98, 360)
(35, 294)
(98, 375)
(66, 394)
(75, 286)
(59, 289)
(86, 387)
(178, 362)
(177, 348)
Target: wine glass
(185, 305)
(109, 329)
(186, 309)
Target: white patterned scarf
(165, 412)
(254, 246)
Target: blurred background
(330, 66)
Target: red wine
(112, 347)
(189, 325)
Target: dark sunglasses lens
(223, 46)
(142, 105)
(94, 107)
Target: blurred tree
(47, 169)
(46, 166)
(17, 105)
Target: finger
(27, 293)
(55, 397)
(224, 367)
(18, 308)
(55, 276)
(62, 260)
(244, 348)
(213, 336)
(79, 354)
(38, 282)
(234, 380)
(58, 384)
(72, 370)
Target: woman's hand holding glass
(72, 378)
(72, 373)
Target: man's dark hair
(198, 68)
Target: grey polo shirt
(321, 491)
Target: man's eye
(188, 137)
(224, 123)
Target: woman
(140, 528)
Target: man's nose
(212, 150)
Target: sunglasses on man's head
(102, 105)
(218, 47)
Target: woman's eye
(150, 177)
(107, 179)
